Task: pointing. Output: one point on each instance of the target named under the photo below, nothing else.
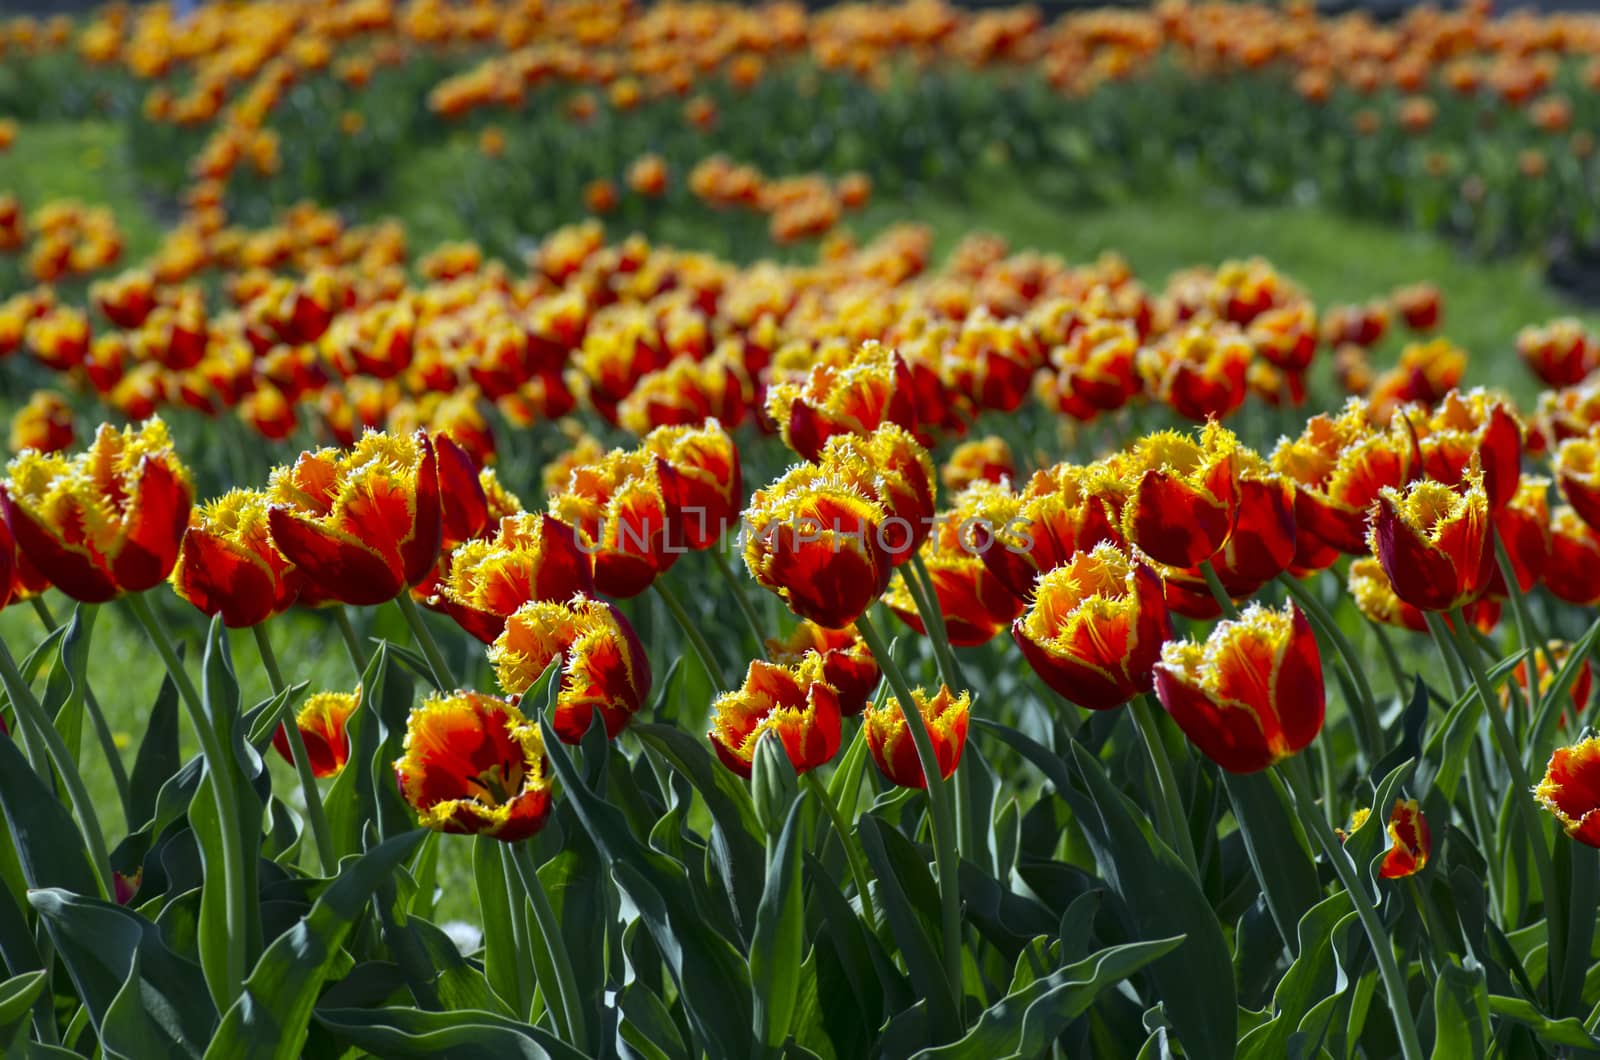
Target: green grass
(1334, 258)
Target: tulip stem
(97, 717)
(847, 839)
(1531, 640)
(1521, 798)
(1218, 591)
(927, 601)
(1368, 730)
(327, 853)
(1396, 671)
(561, 997)
(442, 678)
(944, 837)
(691, 633)
(1394, 984)
(1175, 822)
(214, 752)
(352, 643)
(720, 560)
(31, 715)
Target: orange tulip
(363, 525)
(1410, 841)
(1020, 536)
(1339, 465)
(986, 459)
(1095, 627)
(623, 507)
(794, 703)
(43, 424)
(1575, 552)
(228, 564)
(975, 604)
(603, 665)
(322, 722)
(890, 466)
(889, 738)
(1263, 542)
(105, 522)
(707, 484)
(1549, 663)
(813, 537)
(1375, 598)
(474, 765)
(873, 388)
(847, 662)
(1523, 526)
(1175, 497)
(1560, 353)
(1434, 543)
(1570, 790)
(530, 557)
(1199, 370)
(1252, 694)
(1577, 468)
(1476, 425)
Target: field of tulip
(551, 529)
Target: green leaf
(270, 1017)
(407, 1033)
(1569, 1031)
(647, 1026)
(1026, 1022)
(109, 951)
(712, 977)
(503, 959)
(777, 946)
(1276, 848)
(46, 837)
(159, 757)
(1312, 977)
(17, 997)
(1461, 1014)
(903, 885)
(365, 790)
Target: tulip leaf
(1026, 1022)
(47, 838)
(1553, 699)
(1577, 867)
(1557, 1032)
(1275, 845)
(506, 965)
(1313, 976)
(711, 975)
(583, 903)
(777, 945)
(109, 952)
(899, 879)
(270, 1017)
(365, 790)
(159, 756)
(647, 1026)
(434, 969)
(1461, 1013)
(412, 1034)
(17, 997)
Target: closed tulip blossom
(847, 662)
(228, 564)
(1435, 543)
(1339, 465)
(873, 388)
(603, 666)
(474, 765)
(796, 704)
(1095, 627)
(623, 506)
(364, 524)
(531, 556)
(944, 714)
(1523, 527)
(322, 722)
(1578, 474)
(1475, 429)
(706, 480)
(1570, 790)
(1176, 497)
(1375, 598)
(1575, 553)
(105, 522)
(1021, 536)
(1251, 695)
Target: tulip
(847, 663)
(975, 604)
(530, 557)
(794, 703)
(1578, 474)
(1252, 694)
(686, 393)
(1474, 427)
(1020, 536)
(1375, 598)
(1559, 353)
(1434, 543)
(322, 721)
(889, 738)
(1176, 498)
(1095, 627)
(890, 466)
(228, 564)
(873, 388)
(986, 459)
(623, 507)
(1575, 552)
(362, 525)
(1523, 527)
(1410, 841)
(1339, 465)
(43, 424)
(706, 480)
(105, 522)
(813, 537)
(1263, 542)
(474, 765)
(991, 361)
(1570, 790)
(603, 665)
(1199, 371)
(1550, 662)
(1096, 368)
